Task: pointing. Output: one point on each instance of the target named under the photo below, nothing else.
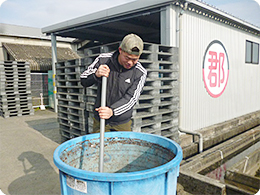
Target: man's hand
(104, 112)
(103, 70)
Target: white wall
(242, 94)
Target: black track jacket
(123, 86)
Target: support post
(54, 61)
(168, 26)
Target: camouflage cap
(132, 44)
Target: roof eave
(222, 13)
(117, 11)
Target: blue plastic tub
(134, 164)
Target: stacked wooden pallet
(15, 89)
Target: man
(125, 81)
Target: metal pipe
(102, 125)
(245, 166)
(197, 134)
(180, 45)
(181, 11)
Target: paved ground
(27, 144)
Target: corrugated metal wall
(242, 94)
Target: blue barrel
(134, 164)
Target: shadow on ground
(48, 127)
(38, 178)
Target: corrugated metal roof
(39, 57)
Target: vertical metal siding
(242, 94)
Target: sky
(42, 13)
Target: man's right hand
(104, 112)
(103, 70)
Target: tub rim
(129, 176)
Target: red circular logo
(215, 69)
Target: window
(252, 52)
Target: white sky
(42, 13)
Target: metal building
(218, 53)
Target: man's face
(127, 60)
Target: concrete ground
(27, 144)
